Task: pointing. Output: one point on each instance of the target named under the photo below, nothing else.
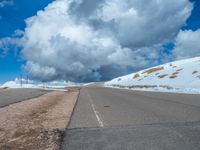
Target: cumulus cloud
(140, 23)
(187, 44)
(6, 3)
(93, 40)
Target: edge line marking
(95, 111)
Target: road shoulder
(38, 123)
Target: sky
(94, 40)
(12, 16)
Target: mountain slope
(182, 75)
(17, 83)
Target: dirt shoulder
(37, 123)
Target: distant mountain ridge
(23, 83)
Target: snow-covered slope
(178, 76)
(34, 84)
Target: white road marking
(95, 111)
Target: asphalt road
(10, 96)
(115, 119)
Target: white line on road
(95, 111)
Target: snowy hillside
(34, 84)
(178, 76)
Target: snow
(178, 76)
(54, 85)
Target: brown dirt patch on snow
(194, 72)
(175, 73)
(37, 123)
(162, 76)
(149, 71)
(173, 76)
(179, 69)
(119, 79)
(136, 76)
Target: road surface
(10, 96)
(116, 119)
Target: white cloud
(45, 72)
(6, 3)
(13, 43)
(86, 40)
(18, 33)
(139, 23)
(6, 44)
(187, 44)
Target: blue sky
(13, 16)
(193, 22)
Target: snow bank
(17, 83)
(177, 76)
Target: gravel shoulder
(38, 123)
